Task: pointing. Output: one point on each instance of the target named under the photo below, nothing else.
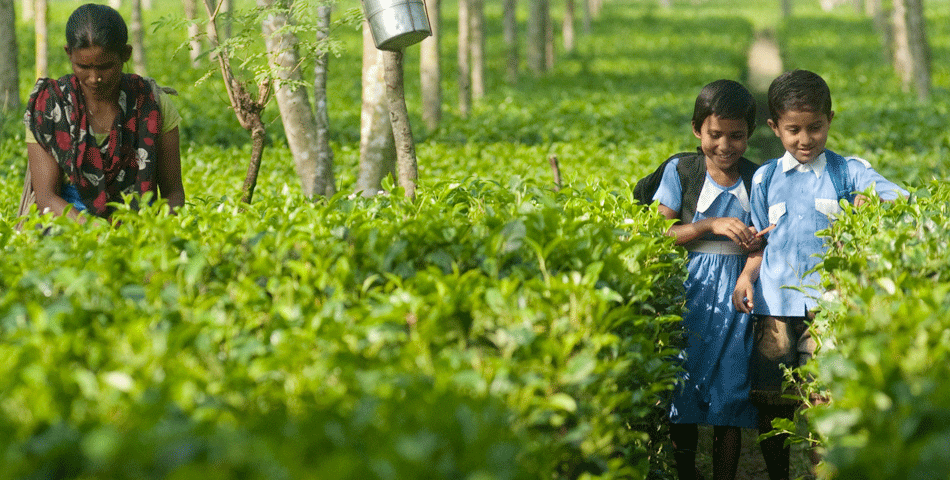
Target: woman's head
(97, 25)
(725, 99)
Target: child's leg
(727, 441)
(774, 451)
(685, 438)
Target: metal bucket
(397, 24)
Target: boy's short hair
(726, 99)
(799, 90)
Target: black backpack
(692, 172)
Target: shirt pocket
(827, 206)
(776, 212)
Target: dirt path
(751, 465)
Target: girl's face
(723, 140)
(99, 71)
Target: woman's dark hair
(98, 25)
(726, 99)
(799, 90)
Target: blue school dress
(714, 389)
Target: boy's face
(723, 140)
(803, 133)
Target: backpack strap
(838, 169)
(692, 171)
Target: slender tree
(567, 28)
(247, 108)
(911, 48)
(300, 125)
(464, 58)
(322, 112)
(511, 40)
(26, 10)
(42, 38)
(9, 65)
(377, 147)
(136, 32)
(536, 35)
(477, 32)
(116, 4)
(407, 172)
(194, 31)
(430, 69)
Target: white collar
(711, 191)
(817, 165)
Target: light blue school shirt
(801, 201)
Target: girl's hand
(735, 229)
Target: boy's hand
(860, 200)
(742, 295)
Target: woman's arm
(47, 178)
(169, 169)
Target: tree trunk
(464, 62)
(325, 181)
(26, 9)
(536, 34)
(407, 171)
(194, 31)
(247, 109)
(511, 40)
(430, 69)
(42, 38)
(377, 149)
(477, 16)
(911, 48)
(567, 28)
(116, 4)
(9, 64)
(587, 16)
(786, 8)
(548, 35)
(137, 37)
(300, 126)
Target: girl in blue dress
(714, 389)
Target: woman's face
(99, 71)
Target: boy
(793, 197)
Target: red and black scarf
(124, 165)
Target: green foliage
(887, 354)
(507, 323)
(492, 329)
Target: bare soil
(751, 465)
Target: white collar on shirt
(817, 165)
(711, 191)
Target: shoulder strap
(747, 171)
(768, 170)
(692, 172)
(838, 169)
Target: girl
(714, 389)
(98, 134)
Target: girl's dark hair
(98, 25)
(799, 90)
(726, 99)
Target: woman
(98, 134)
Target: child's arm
(737, 231)
(744, 292)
